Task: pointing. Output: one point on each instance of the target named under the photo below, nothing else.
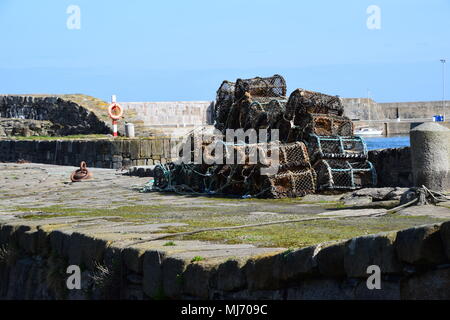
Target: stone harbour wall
(172, 114)
(393, 166)
(414, 264)
(102, 153)
(368, 109)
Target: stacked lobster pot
(260, 103)
(246, 170)
(339, 157)
(242, 103)
(267, 169)
(311, 130)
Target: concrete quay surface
(90, 222)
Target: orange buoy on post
(115, 112)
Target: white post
(114, 122)
(443, 85)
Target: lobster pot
(343, 174)
(224, 101)
(163, 176)
(285, 155)
(193, 177)
(302, 102)
(294, 154)
(336, 147)
(323, 125)
(274, 86)
(264, 115)
(296, 182)
(240, 111)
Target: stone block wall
(171, 114)
(413, 263)
(368, 109)
(411, 110)
(102, 153)
(393, 166)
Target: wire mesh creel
(274, 86)
(343, 174)
(336, 147)
(294, 177)
(303, 102)
(224, 101)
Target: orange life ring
(115, 111)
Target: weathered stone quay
(48, 223)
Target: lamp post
(443, 61)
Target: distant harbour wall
(172, 114)
(368, 109)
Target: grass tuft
(197, 259)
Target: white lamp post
(443, 61)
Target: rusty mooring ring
(81, 174)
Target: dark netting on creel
(244, 177)
(274, 86)
(303, 102)
(294, 155)
(296, 182)
(240, 111)
(263, 114)
(287, 155)
(224, 101)
(342, 174)
(234, 100)
(321, 125)
(336, 147)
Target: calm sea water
(386, 142)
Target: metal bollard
(129, 130)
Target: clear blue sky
(144, 50)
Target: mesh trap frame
(224, 101)
(296, 182)
(303, 102)
(239, 113)
(274, 86)
(289, 155)
(336, 147)
(321, 125)
(344, 175)
(264, 115)
(294, 177)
